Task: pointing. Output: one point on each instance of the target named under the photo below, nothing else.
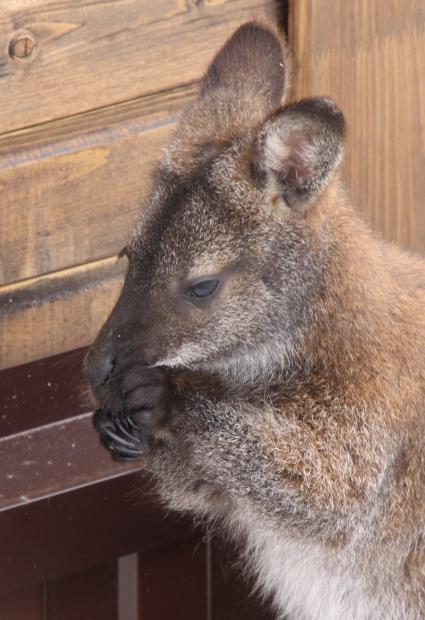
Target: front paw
(120, 435)
(143, 408)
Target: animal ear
(249, 70)
(298, 150)
(244, 84)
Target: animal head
(229, 251)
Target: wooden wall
(369, 55)
(90, 90)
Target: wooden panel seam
(150, 108)
(61, 284)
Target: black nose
(96, 370)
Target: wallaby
(266, 355)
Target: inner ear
(298, 150)
(292, 161)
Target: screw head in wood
(22, 46)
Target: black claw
(132, 423)
(110, 434)
(122, 453)
(120, 457)
(120, 426)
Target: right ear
(297, 151)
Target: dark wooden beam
(64, 504)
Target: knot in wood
(22, 46)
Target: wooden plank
(370, 57)
(73, 187)
(61, 58)
(72, 531)
(57, 312)
(26, 604)
(91, 594)
(128, 587)
(173, 582)
(42, 392)
(53, 459)
(50, 456)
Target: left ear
(298, 150)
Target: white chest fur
(303, 581)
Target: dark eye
(202, 289)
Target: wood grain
(91, 53)
(73, 187)
(56, 312)
(370, 57)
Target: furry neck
(368, 324)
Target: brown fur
(291, 403)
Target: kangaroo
(266, 355)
